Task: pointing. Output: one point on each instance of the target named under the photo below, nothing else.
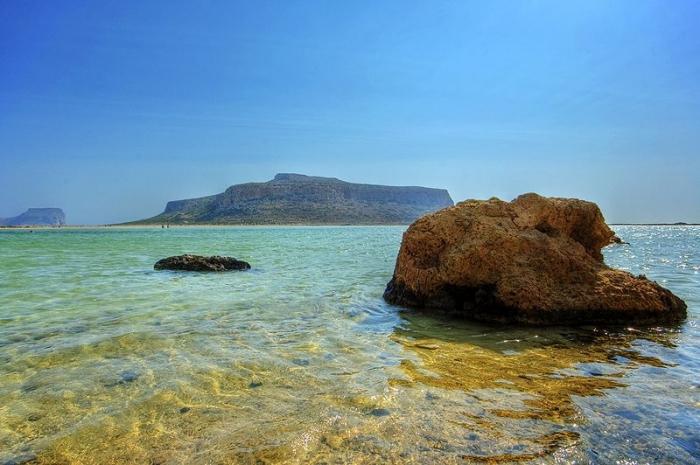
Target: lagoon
(299, 360)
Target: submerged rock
(199, 263)
(534, 260)
(128, 376)
(125, 377)
(24, 459)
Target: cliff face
(37, 217)
(300, 199)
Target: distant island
(37, 217)
(299, 199)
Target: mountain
(37, 217)
(300, 199)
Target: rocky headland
(37, 217)
(299, 199)
(534, 260)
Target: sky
(110, 109)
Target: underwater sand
(103, 360)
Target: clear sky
(109, 109)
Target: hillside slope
(37, 217)
(299, 199)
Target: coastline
(305, 339)
(198, 226)
(260, 225)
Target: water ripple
(103, 360)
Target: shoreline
(195, 226)
(280, 225)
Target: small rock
(380, 412)
(255, 384)
(185, 409)
(616, 240)
(302, 362)
(125, 377)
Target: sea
(299, 360)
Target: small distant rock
(200, 263)
(616, 240)
(380, 412)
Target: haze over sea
(103, 360)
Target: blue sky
(109, 109)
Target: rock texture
(300, 199)
(200, 263)
(534, 260)
(37, 217)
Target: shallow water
(103, 360)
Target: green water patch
(104, 360)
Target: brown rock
(617, 240)
(199, 263)
(534, 260)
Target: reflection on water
(300, 361)
(530, 376)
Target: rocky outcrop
(534, 260)
(617, 240)
(299, 199)
(200, 263)
(37, 217)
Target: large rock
(200, 263)
(534, 260)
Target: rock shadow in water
(520, 379)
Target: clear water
(103, 360)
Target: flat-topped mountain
(299, 199)
(37, 217)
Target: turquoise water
(103, 360)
